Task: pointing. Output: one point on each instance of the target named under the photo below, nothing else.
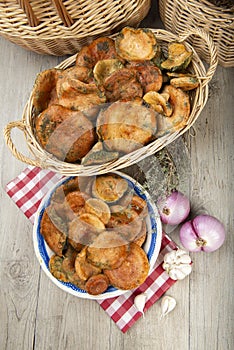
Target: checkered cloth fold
(27, 191)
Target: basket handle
(62, 12)
(213, 61)
(27, 8)
(60, 9)
(7, 135)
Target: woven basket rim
(53, 28)
(215, 12)
(211, 6)
(46, 160)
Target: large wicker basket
(219, 22)
(61, 27)
(198, 100)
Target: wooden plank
(35, 314)
(211, 293)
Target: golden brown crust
(133, 271)
(99, 208)
(148, 75)
(44, 91)
(141, 237)
(55, 239)
(108, 250)
(84, 229)
(79, 234)
(126, 222)
(109, 187)
(136, 44)
(58, 268)
(139, 205)
(97, 284)
(100, 49)
(76, 201)
(122, 85)
(90, 245)
(66, 134)
(85, 269)
(185, 83)
(55, 266)
(126, 134)
(77, 90)
(179, 100)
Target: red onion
(203, 233)
(174, 209)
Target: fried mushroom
(76, 201)
(178, 57)
(122, 84)
(132, 272)
(83, 230)
(44, 90)
(98, 155)
(99, 208)
(136, 44)
(148, 75)
(66, 134)
(59, 270)
(185, 83)
(105, 68)
(55, 239)
(126, 222)
(141, 237)
(99, 49)
(109, 187)
(159, 102)
(85, 269)
(108, 250)
(97, 284)
(179, 100)
(126, 126)
(139, 205)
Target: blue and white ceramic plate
(151, 246)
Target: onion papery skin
(203, 233)
(174, 209)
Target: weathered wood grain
(35, 314)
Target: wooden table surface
(36, 314)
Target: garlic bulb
(177, 264)
(139, 302)
(167, 305)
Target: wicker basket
(198, 100)
(61, 27)
(178, 14)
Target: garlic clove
(166, 266)
(139, 302)
(184, 259)
(180, 252)
(167, 305)
(180, 272)
(186, 269)
(174, 274)
(170, 257)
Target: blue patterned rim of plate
(151, 245)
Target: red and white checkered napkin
(28, 189)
